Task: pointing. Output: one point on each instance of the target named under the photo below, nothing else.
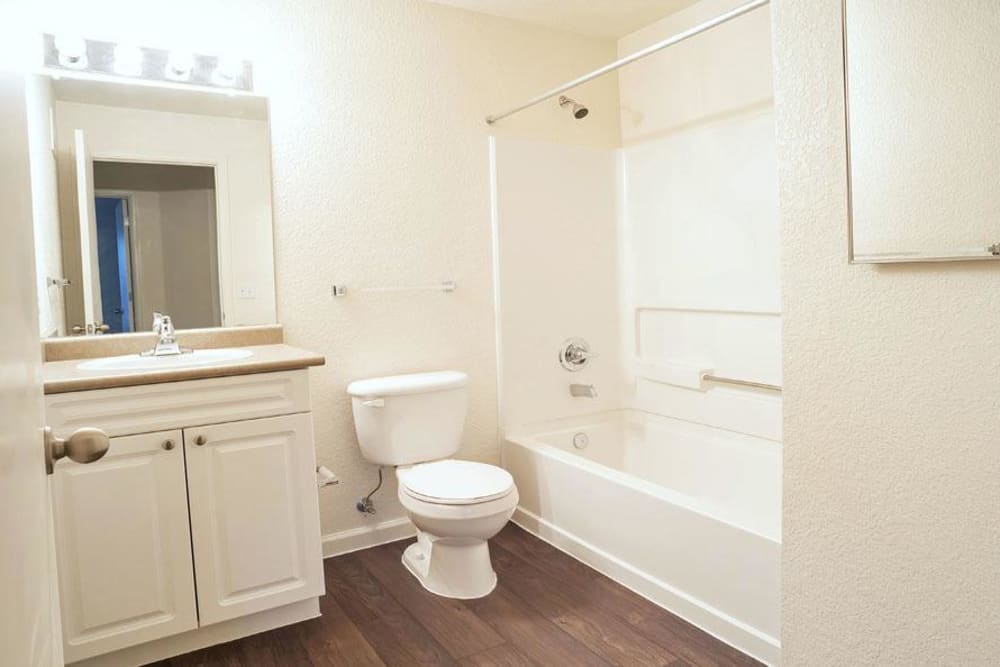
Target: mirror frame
(944, 255)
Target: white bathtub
(688, 516)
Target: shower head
(579, 111)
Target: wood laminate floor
(548, 609)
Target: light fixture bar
(126, 61)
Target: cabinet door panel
(124, 547)
(254, 515)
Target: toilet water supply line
(366, 505)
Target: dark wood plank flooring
(548, 610)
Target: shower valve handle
(575, 353)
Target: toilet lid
(452, 482)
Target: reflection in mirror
(923, 116)
(149, 199)
(156, 244)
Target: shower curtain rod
(638, 55)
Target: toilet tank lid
(414, 383)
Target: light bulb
(128, 60)
(72, 51)
(227, 70)
(179, 65)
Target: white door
(29, 621)
(124, 546)
(91, 285)
(254, 515)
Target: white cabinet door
(124, 546)
(254, 515)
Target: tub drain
(581, 440)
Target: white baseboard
(725, 628)
(355, 539)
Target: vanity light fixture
(227, 69)
(111, 59)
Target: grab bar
(742, 383)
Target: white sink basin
(135, 362)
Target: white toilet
(415, 422)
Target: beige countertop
(64, 376)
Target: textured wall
(891, 530)
(381, 176)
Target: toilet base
(451, 568)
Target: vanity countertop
(65, 376)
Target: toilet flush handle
(373, 402)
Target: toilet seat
(454, 482)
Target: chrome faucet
(583, 390)
(167, 342)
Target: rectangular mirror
(923, 119)
(149, 199)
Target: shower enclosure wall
(663, 254)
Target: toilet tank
(406, 419)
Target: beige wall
(381, 177)
(891, 527)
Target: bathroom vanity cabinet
(203, 514)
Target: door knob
(200, 440)
(85, 445)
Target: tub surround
(90, 347)
(65, 376)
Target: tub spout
(583, 390)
